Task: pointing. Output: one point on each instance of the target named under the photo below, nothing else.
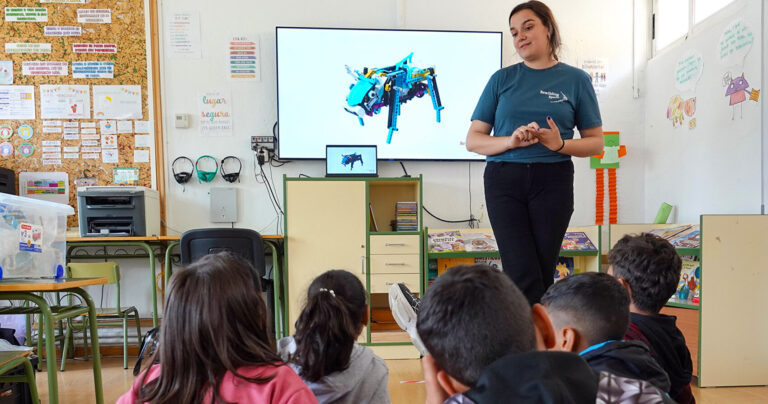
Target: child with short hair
(590, 314)
(324, 352)
(482, 337)
(214, 342)
(649, 267)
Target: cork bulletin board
(84, 63)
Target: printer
(118, 211)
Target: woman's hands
(550, 138)
(523, 136)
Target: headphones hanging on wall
(182, 176)
(233, 176)
(206, 176)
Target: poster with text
(183, 35)
(17, 102)
(117, 102)
(65, 101)
(243, 58)
(215, 113)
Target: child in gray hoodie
(323, 350)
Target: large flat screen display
(411, 93)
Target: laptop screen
(350, 161)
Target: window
(673, 19)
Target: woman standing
(532, 108)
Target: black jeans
(529, 206)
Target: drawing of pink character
(737, 92)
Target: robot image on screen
(342, 161)
(380, 87)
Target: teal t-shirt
(518, 95)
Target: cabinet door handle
(362, 264)
(394, 244)
(389, 283)
(394, 263)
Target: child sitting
(482, 338)
(649, 267)
(590, 314)
(214, 342)
(323, 350)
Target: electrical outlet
(267, 142)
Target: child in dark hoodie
(590, 314)
(482, 337)
(323, 350)
(649, 267)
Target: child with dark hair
(482, 337)
(323, 350)
(590, 314)
(215, 346)
(649, 267)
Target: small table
(9, 360)
(25, 289)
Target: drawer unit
(395, 264)
(395, 244)
(380, 283)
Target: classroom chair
(10, 360)
(247, 243)
(111, 271)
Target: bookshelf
(726, 331)
(344, 223)
(583, 260)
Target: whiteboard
(713, 166)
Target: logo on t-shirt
(554, 97)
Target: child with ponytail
(324, 352)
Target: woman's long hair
(329, 324)
(215, 322)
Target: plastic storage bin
(32, 237)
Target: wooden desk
(25, 289)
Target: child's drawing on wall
(737, 92)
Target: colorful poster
(215, 113)
(126, 175)
(6, 131)
(108, 142)
(597, 71)
(65, 101)
(6, 71)
(26, 149)
(25, 132)
(124, 126)
(93, 70)
(94, 48)
(6, 149)
(94, 16)
(53, 30)
(47, 186)
(26, 14)
(117, 102)
(27, 47)
(183, 35)
(243, 58)
(44, 68)
(17, 102)
(107, 127)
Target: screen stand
(406, 175)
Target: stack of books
(407, 216)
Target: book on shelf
(479, 242)
(374, 225)
(668, 233)
(406, 216)
(564, 268)
(577, 241)
(446, 241)
(687, 239)
(690, 281)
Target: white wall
(714, 168)
(590, 28)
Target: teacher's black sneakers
(405, 309)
